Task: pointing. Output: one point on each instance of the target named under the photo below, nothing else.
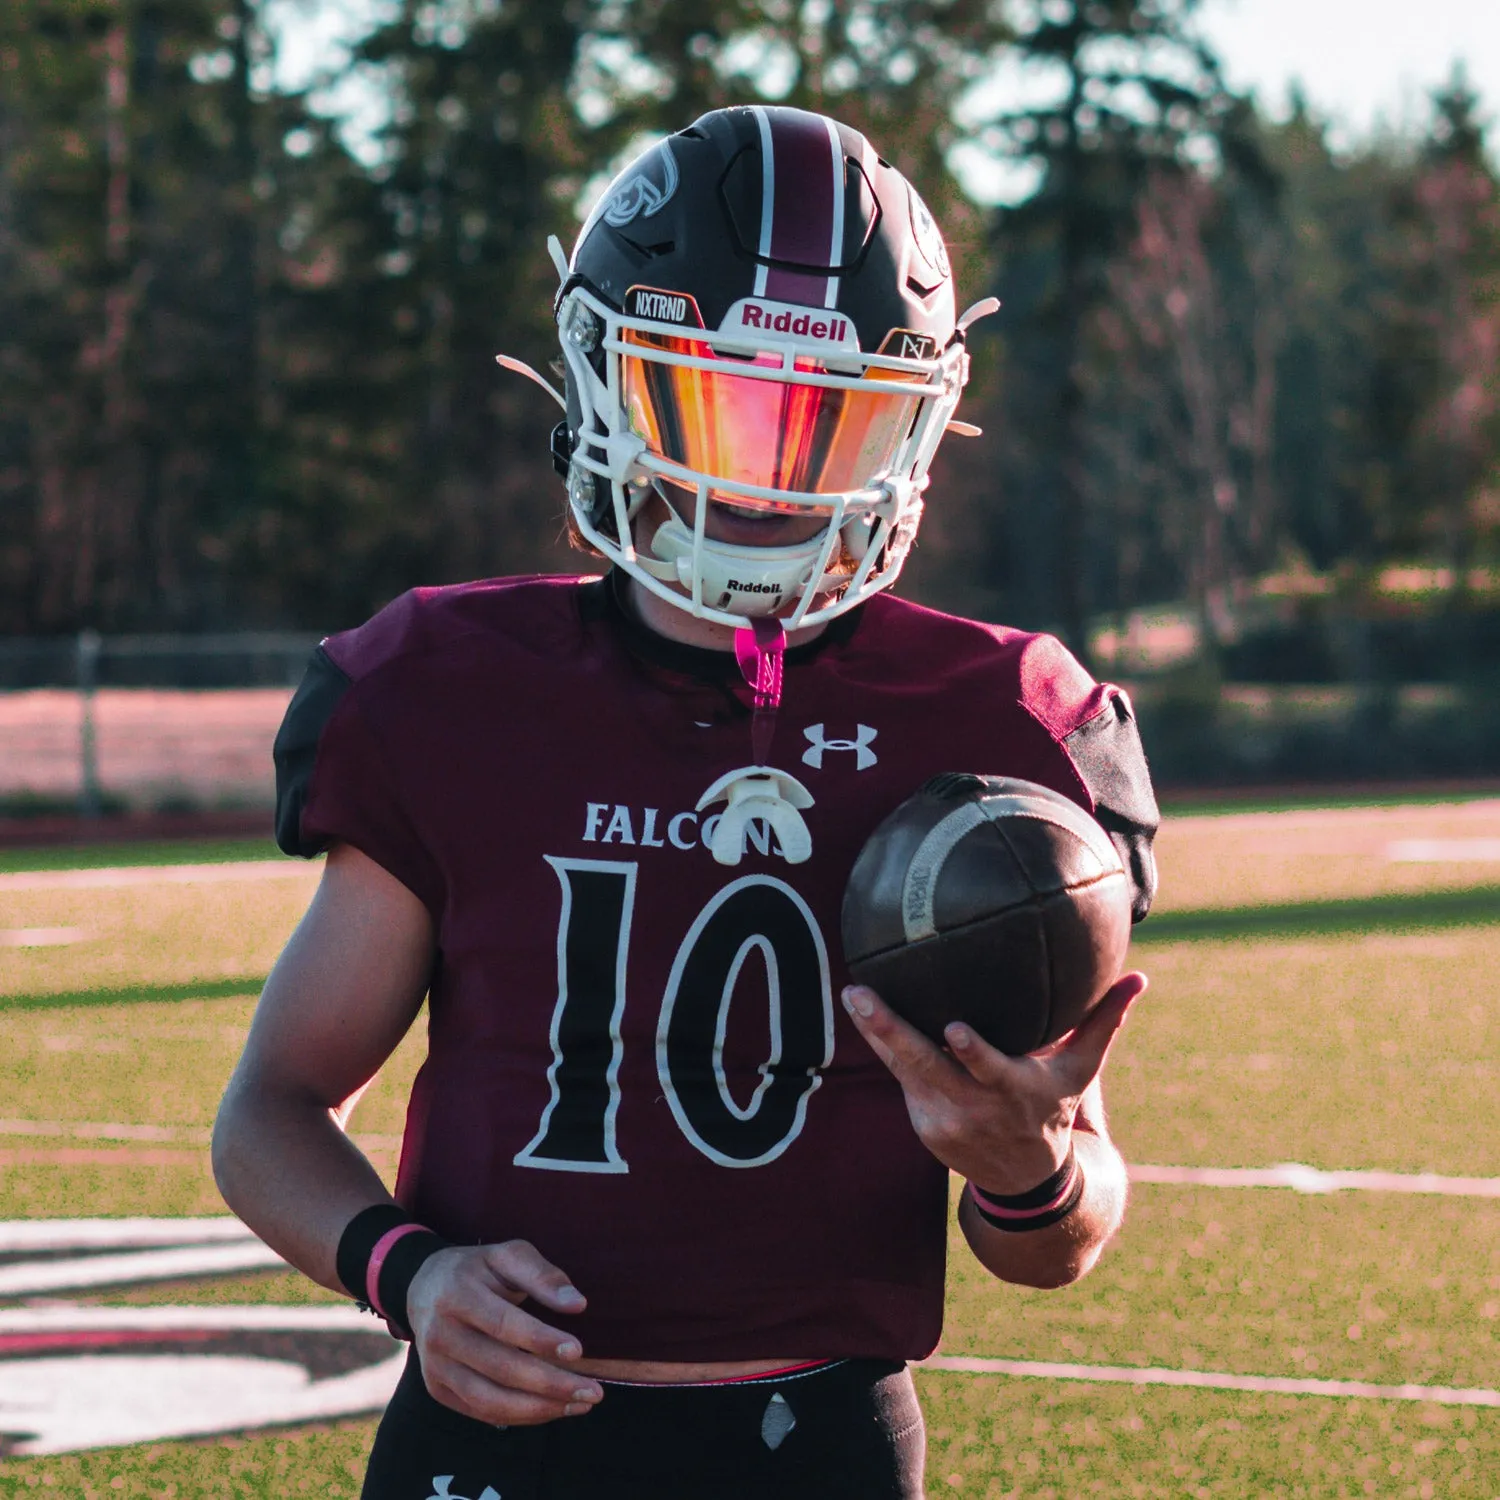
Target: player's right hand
(481, 1353)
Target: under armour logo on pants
(440, 1483)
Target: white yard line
(1214, 1380)
(42, 937)
(1441, 851)
(90, 1130)
(341, 1317)
(345, 1319)
(1303, 1179)
(187, 1135)
(18, 1236)
(118, 877)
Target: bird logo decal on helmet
(640, 194)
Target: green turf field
(1311, 1001)
(159, 852)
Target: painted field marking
(203, 1392)
(151, 1250)
(91, 1130)
(1213, 1380)
(32, 1278)
(1441, 851)
(338, 1317)
(118, 877)
(20, 1236)
(1303, 1179)
(84, 1383)
(42, 937)
(190, 1135)
(105, 1156)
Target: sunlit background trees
(1240, 407)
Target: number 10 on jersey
(756, 914)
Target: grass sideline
(136, 994)
(1184, 803)
(1288, 1031)
(130, 855)
(1416, 912)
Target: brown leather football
(992, 901)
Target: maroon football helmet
(758, 311)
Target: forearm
(342, 995)
(1060, 1253)
(288, 1170)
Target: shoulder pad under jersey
(295, 750)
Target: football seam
(1035, 899)
(942, 840)
(1072, 819)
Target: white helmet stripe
(767, 195)
(836, 248)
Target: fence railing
(267, 658)
(172, 752)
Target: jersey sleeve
(1094, 725)
(333, 783)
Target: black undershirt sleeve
(296, 749)
(1111, 760)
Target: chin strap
(760, 792)
(760, 648)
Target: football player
(671, 1211)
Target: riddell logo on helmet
(758, 317)
(736, 587)
(802, 326)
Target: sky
(1364, 65)
(1361, 62)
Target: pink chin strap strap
(759, 648)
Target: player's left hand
(1003, 1122)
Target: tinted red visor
(776, 434)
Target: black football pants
(847, 1431)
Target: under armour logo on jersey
(440, 1483)
(864, 757)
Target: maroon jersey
(635, 1055)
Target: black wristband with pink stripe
(1047, 1203)
(381, 1249)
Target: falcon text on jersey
(648, 828)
